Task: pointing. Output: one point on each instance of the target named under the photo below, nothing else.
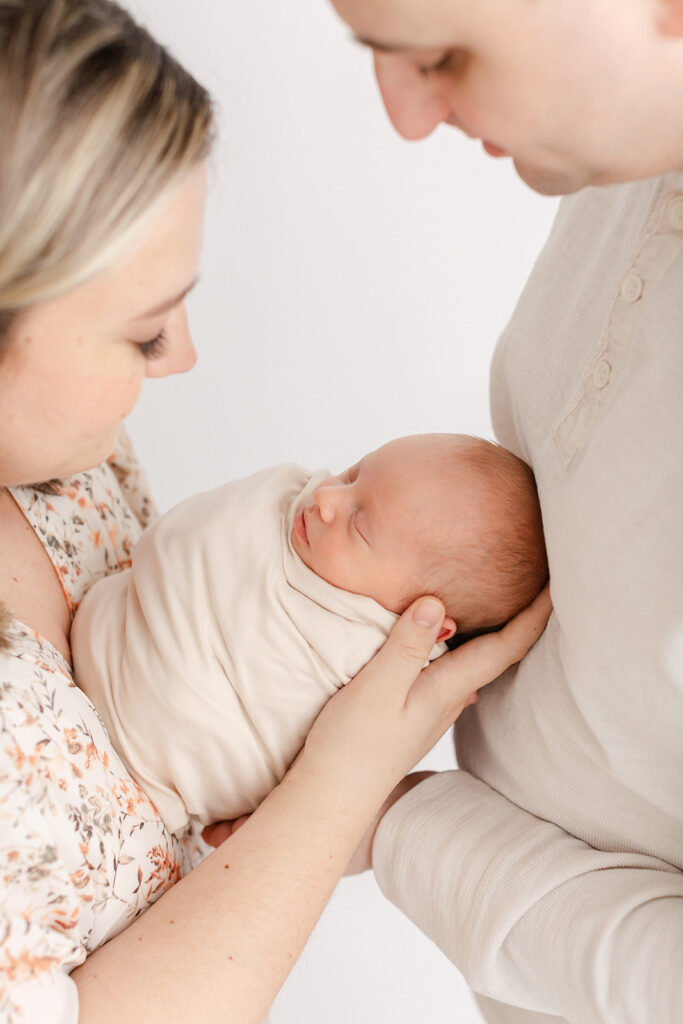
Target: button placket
(632, 287)
(659, 248)
(676, 213)
(602, 374)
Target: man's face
(567, 88)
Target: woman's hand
(385, 720)
(211, 936)
(371, 733)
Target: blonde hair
(98, 125)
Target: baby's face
(366, 529)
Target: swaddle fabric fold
(211, 657)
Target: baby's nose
(327, 500)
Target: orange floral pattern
(83, 851)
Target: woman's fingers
(397, 664)
(486, 657)
(387, 718)
(459, 674)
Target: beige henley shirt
(548, 868)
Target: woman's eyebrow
(167, 304)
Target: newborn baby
(247, 607)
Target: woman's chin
(90, 459)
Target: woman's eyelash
(153, 348)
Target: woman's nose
(179, 354)
(415, 105)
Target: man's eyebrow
(167, 304)
(374, 44)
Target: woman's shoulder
(89, 524)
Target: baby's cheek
(337, 564)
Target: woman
(102, 186)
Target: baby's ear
(446, 631)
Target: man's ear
(670, 20)
(447, 630)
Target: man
(548, 868)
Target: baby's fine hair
(492, 562)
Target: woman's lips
(300, 526)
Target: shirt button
(676, 213)
(602, 374)
(632, 288)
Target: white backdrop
(352, 289)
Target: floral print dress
(83, 851)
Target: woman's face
(72, 368)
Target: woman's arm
(220, 943)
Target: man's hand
(217, 833)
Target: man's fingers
(217, 833)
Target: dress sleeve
(132, 479)
(529, 914)
(41, 915)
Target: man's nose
(415, 105)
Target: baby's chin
(302, 549)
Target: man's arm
(529, 914)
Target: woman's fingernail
(428, 613)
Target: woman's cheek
(133, 390)
(110, 405)
(120, 396)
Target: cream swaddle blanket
(210, 658)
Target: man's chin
(551, 183)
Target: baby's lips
(300, 526)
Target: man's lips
(489, 147)
(300, 526)
(493, 150)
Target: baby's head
(442, 514)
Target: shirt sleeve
(529, 914)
